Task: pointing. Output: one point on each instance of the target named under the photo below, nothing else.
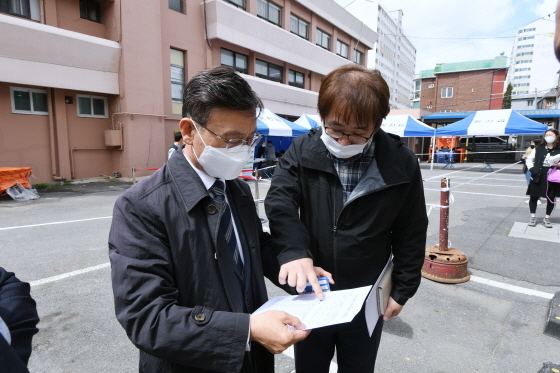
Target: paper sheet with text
(337, 307)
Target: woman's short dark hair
(354, 92)
(218, 87)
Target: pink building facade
(90, 88)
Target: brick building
(462, 86)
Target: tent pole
(433, 152)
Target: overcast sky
(459, 30)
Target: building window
(236, 60)
(431, 85)
(270, 11)
(92, 106)
(237, 3)
(21, 8)
(299, 27)
(270, 71)
(296, 79)
(177, 60)
(530, 102)
(358, 57)
(323, 39)
(522, 77)
(29, 101)
(176, 5)
(89, 9)
(341, 49)
(447, 92)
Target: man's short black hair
(218, 87)
(178, 136)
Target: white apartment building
(533, 65)
(394, 55)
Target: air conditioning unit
(429, 107)
(550, 104)
(411, 96)
(431, 85)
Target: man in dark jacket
(187, 248)
(346, 198)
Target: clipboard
(384, 289)
(378, 298)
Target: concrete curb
(552, 327)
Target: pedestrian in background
(538, 165)
(177, 145)
(270, 154)
(525, 169)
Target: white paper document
(337, 307)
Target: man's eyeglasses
(354, 139)
(232, 143)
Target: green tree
(506, 103)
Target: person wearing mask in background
(18, 323)
(538, 165)
(346, 197)
(187, 248)
(270, 154)
(525, 169)
(177, 145)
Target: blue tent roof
(270, 124)
(493, 123)
(406, 126)
(540, 113)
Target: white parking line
(481, 194)
(56, 222)
(515, 289)
(289, 352)
(69, 274)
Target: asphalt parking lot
(493, 323)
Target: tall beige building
(89, 88)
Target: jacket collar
(389, 159)
(190, 186)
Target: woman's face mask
(549, 139)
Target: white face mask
(223, 163)
(342, 151)
(549, 139)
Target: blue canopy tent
(309, 121)
(406, 126)
(493, 123)
(276, 129)
(270, 124)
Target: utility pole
(536, 99)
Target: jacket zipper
(337, 218)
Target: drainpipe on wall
(51, 136)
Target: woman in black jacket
(538, 164)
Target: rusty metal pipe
(444, 215)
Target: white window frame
(340, 47)
(447, 92)
(30, 90)
(91, 101)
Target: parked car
(491, 148)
